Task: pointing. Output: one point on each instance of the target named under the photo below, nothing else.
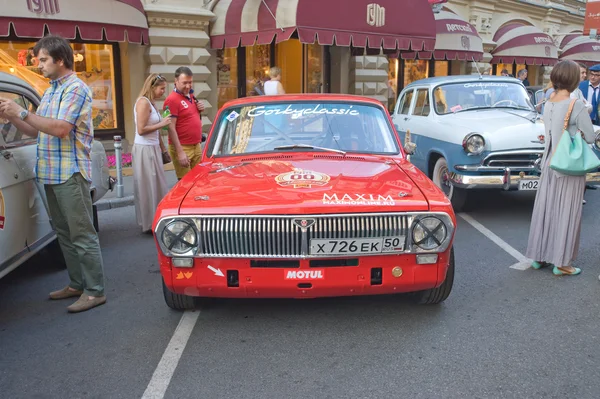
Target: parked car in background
(473, 132)
(25, 226)
(304, 196)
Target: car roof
(302, 97)
(6, 79)
(461, 79)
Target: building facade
(373, 48)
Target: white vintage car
(25, 227)
(473, 132)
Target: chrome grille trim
(278, 237)
(512, 159)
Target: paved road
(503, 333)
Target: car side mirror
(409, 148)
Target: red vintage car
(303, 196)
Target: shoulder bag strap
(568, 115)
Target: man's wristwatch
(23, 114)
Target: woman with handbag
(556, 220)
(149, 152)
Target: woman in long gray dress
(149, 182)
(556, 220)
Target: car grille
(282, 236)
(515, 161)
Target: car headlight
(473, 144)
(429, 233)
(597, 141)
(180, 237)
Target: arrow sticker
(217, 272)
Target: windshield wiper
(308, 146)
(472, 108)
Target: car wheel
(441, 178)
(439, 294)
(177, 301)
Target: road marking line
(168, 363)
(523, 264)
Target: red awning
(391, 24)
(580, 49)
(523, 44)
(117, 21)
(456, 39)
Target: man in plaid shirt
(64, 131)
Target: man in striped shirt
(64, 131)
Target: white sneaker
(584, 202)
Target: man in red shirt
(185, 131)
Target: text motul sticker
(304, 274)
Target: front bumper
(305, 281)
(504, 181)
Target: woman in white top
(274, 87)
(149, 182)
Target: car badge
(202, 198)
(541, 139)
(403, 194)
(304, 223)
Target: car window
(12, 136)
(265, 127)
(455, 97)
(405, 102)
(422, 104)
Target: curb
(104, 205)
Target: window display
(415, 70)
(258, 63)
(392, 83)
(227, 75)
(94, 64)
(314, 68)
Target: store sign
(591, 23)
(375, 15)
(43, 6)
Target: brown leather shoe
(85, 303)
(65, 293)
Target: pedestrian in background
(274, 87)
(185, 131)
(522, 75)
(149, 152)
(64, 130)
(591, 91)
(556, 220)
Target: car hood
(502, 129)
(291, 185)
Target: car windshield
(458, 97)
(301, 126)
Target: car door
(401, 113)
(26, 225)
(418, 124)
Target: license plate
(357, 246)
(528, 185)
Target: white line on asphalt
(523, 264)
(168, 363)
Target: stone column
(178, 33)
(369, 76)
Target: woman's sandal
(538, 265)
(557, 271)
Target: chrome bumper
(502, 181)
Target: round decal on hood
(299, 178)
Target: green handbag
(573, 156)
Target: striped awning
(523, 44)
(581, 49)
(388, 24)
(456, 39)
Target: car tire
(457, 196)
(177, 301)
(438, 295)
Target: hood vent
(348, 157)
(266, 158)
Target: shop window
(392, 83)
(290, 59)
(258, 63)
(441, 68)
(405, 102)
(422, 104)
(415, 70)
(313, 78)
(94, 64)
(227, 75)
